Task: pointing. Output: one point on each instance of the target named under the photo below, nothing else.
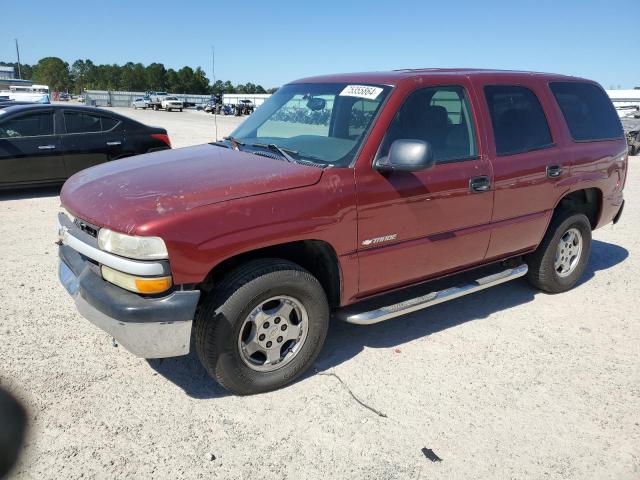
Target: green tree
(200, 83)
(156, 77)
(228, 87)
(218, 87)
(54, 72)
(172, 81)
(79, 74)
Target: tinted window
(440, 116)
(77, 122)
(108, 123)
(519, 123)
(81, 122)
(30, 125)
(589, 113)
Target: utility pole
(18, 54)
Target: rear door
(530, 164)
(90, 139)
(30, 151)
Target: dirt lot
(506, 383)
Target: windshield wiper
(275, 148)
(235, 143)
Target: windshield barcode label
(361, 91)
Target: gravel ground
(506, 383)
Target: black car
(46, 144)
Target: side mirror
(406, 155)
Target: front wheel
(262, 327)
(560, 260)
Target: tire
(544, 272)
(225, 320)
(633, 150)
(180, 110)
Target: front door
(30, 151)
(416, 225)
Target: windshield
(324, 122)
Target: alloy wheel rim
(568, 252)
(273, 333)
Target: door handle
(554, 171)
(480, 184)
(113, 144)
(47, 147)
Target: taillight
(163, 137)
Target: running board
(433, 298)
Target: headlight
(131, 246)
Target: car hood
(126, 194)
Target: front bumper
(147, 327)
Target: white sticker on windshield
(361, 91)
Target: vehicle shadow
(30, 192)
(345, 340)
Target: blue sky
(272, 42)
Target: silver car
(142, 103)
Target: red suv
(363, 195)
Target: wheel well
(587, 201)
(316, 256)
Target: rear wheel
(560, 260)
(262, 327)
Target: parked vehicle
(142, 103)
(426, 185)
(46, 144)
(171, 103)
(244, 107)
(27, 93)
(155, 99)
(631, 127)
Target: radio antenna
(213, 95)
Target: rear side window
(77, 122)
(81, 122)
(519, 123)
(589, 113)
(30, 125)
(108, 123)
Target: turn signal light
(136, 284)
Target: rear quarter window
(588, 111)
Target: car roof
(395, 77)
